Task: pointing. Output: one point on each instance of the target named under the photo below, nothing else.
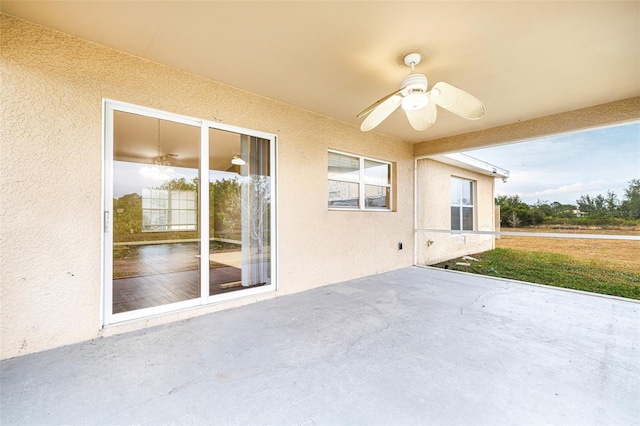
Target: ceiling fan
(419, 104)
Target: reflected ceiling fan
(419, 104)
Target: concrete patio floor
(413, 346)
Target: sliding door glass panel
(226, 168)
(257, 212)
(155, 212)
(239, 212)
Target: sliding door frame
(106, 301)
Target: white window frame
(362, 184)
(109, 106)
(473, 183)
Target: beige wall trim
(608, 114)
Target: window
(358, 183)
(461, 204)
(168, 210)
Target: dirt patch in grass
(617, 255)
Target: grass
(609, 254)
(560, 270)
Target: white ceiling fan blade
(375, 104)
(457, 101)
(382, 111)
(422, 119)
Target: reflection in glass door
(239, 212)
(155, 249)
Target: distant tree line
(605, 209)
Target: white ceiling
(522, 59)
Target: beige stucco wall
(50, 209)
(434, 213)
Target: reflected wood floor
(161, 289)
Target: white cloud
(574, 188)
(562, 168)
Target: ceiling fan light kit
(419, 104)
(414, 101)
(161, 168)
(237, 160)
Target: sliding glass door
(155, 208)
(239, 211)
(157, 256)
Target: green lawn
(552, 269)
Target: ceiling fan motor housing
(414, 82)
(414, 88)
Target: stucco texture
(51, 140)
(434, 213)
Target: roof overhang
(472, 164)
(524, 60)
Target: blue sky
(562, 168)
